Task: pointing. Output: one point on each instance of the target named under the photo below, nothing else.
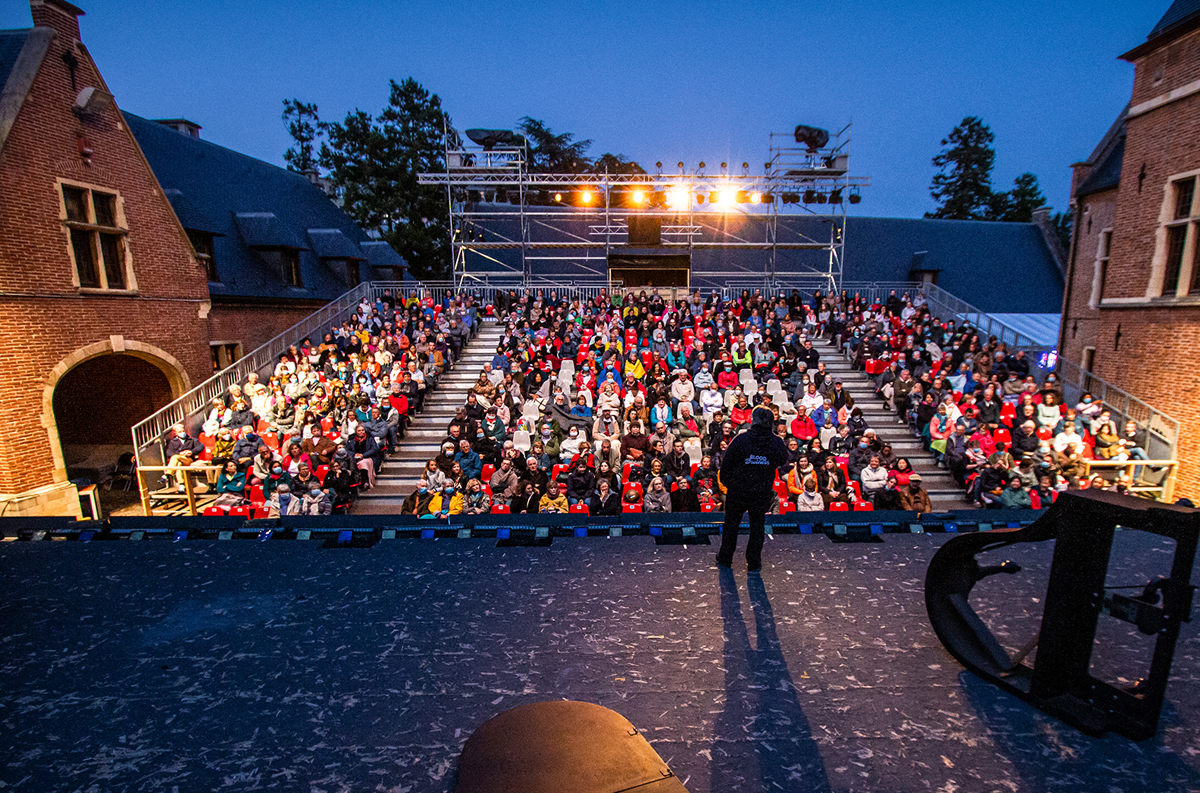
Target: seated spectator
(475, 500)
(553, 501)
(230, 487)
(809, 500)
(873, 478)
(913, 497)
(504, 482)
(276, 478)
(1014, 496)
(282, 502)
(527, 500)
(417, 502)
(366, 454)
(657, 498)
(581, 482)
(315, 501)
(683, 498)
(887, 497)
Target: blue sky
(653, 81)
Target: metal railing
(149, 434)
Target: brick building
(104, 306)
(119, 290)
(1138, 264)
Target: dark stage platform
(236, 666)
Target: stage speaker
(644, 232)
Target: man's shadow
(762, 739)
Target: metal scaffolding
(497, 204)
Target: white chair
(730, 398)
(531, 412)
(749, 384)
(692, 447)
(496, 377)
(521, 441)
(587, 397)
(774, 388)
(567, 369)
(828, 433)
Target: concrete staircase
(420, 444)
(944, 492)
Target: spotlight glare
(677, 197)
(638, 196)
(756, 198)
(558, 196)
(586, 197)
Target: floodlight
(677, 197)
(854, 197)
(586, 196)
(638, 196)
(836, 196)
(558, 197)
(756, 198)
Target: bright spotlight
(586, 197)
(638, 196)
(677, 197)
(725, 197)
(558, 197)
(756, 198)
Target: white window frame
(1100, 267)
(122, 228)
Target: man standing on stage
(747, 474)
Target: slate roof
(1108, 174)
(1179, 12)
(254, 206)
(1001, 267)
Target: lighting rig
(496, 202)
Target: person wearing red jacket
(803, 427)
(741, 412)
(726, 377)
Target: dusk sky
(653, 81)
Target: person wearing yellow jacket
(633, 367)
(447, 502)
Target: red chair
(580, 509)
(708, 507)
(262, 426)
(501, 509)
(1045, 434)
(256, 494)
(326, 424)
(272, 440)
(1002, 435)
(857, 488)
(558, 468)
(488, 489)
(839, 506)
(638, 488)
(625, 469)
(213, 512)
(241, 512)
(631, 507)
(320, 473)
(487, 472)
(957, 397)
(261, 512)
(785, 507)
(780, 488)
(864, 506)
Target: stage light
(835, 197)
(741, 196)
(699, 198)
(810, 196)
(677, 197)
(821, 198)
(658, 198)
(680, 163)
(702, 165)
(855, 197)
(791, 198)
(768, 198)
(638, 196)
(587, 196)
(558, 197)
(756, 198)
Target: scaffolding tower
(496, 203)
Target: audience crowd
(627, 403)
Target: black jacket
(748, 469)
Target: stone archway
(110, 365)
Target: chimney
(59, 15)
(181, 125)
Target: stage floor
(231, 666)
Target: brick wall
(1168, 68)
(1156, 361)
(44, 318)
(254, 324)
(1080, 320)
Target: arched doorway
(97, 402)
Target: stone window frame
(1100, 267)
(1189, 267)
(121, 229)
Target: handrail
(151, 430)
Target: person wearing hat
(747, 475)
(914, 497)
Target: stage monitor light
(791, 198)
(756, 198)
(768, 198)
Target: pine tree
(963, 185)
(304, 126)
(374, 162)
(1022, 200)
(550, 153)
